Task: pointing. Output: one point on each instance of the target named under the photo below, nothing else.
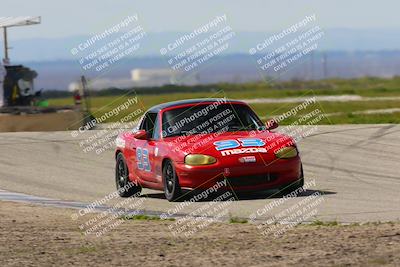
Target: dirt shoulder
(41, 236)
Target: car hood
(206, 143)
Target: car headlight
(287, 152)
(198, 159)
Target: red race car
(195, 144)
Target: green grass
(368, 87)
(378, 261)
(81, 250)
(237, 220)
(86, 249)
(322, 223)
(365, 119)
(143, 217)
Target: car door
(144, 154)
(130, 150)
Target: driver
(3, 73)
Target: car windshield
(209, 118)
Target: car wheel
(125, 187)
(172, 189)
(289, 188)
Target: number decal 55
(142, 158)
(244, 142)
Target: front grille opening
(249, 180)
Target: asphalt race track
(355, 168)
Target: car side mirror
(140, 134)
(271, 124)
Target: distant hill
(233, 68)
(348, 53)
(42, 49)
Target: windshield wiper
(178, 133)
(236, 127)
(241, 128)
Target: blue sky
(81, 17)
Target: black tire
(122, 178)
(172, 189)
(289, 188)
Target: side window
(148, 123)
(156, 132)
(141, 123)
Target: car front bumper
(245, 177)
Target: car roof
(160, 107)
